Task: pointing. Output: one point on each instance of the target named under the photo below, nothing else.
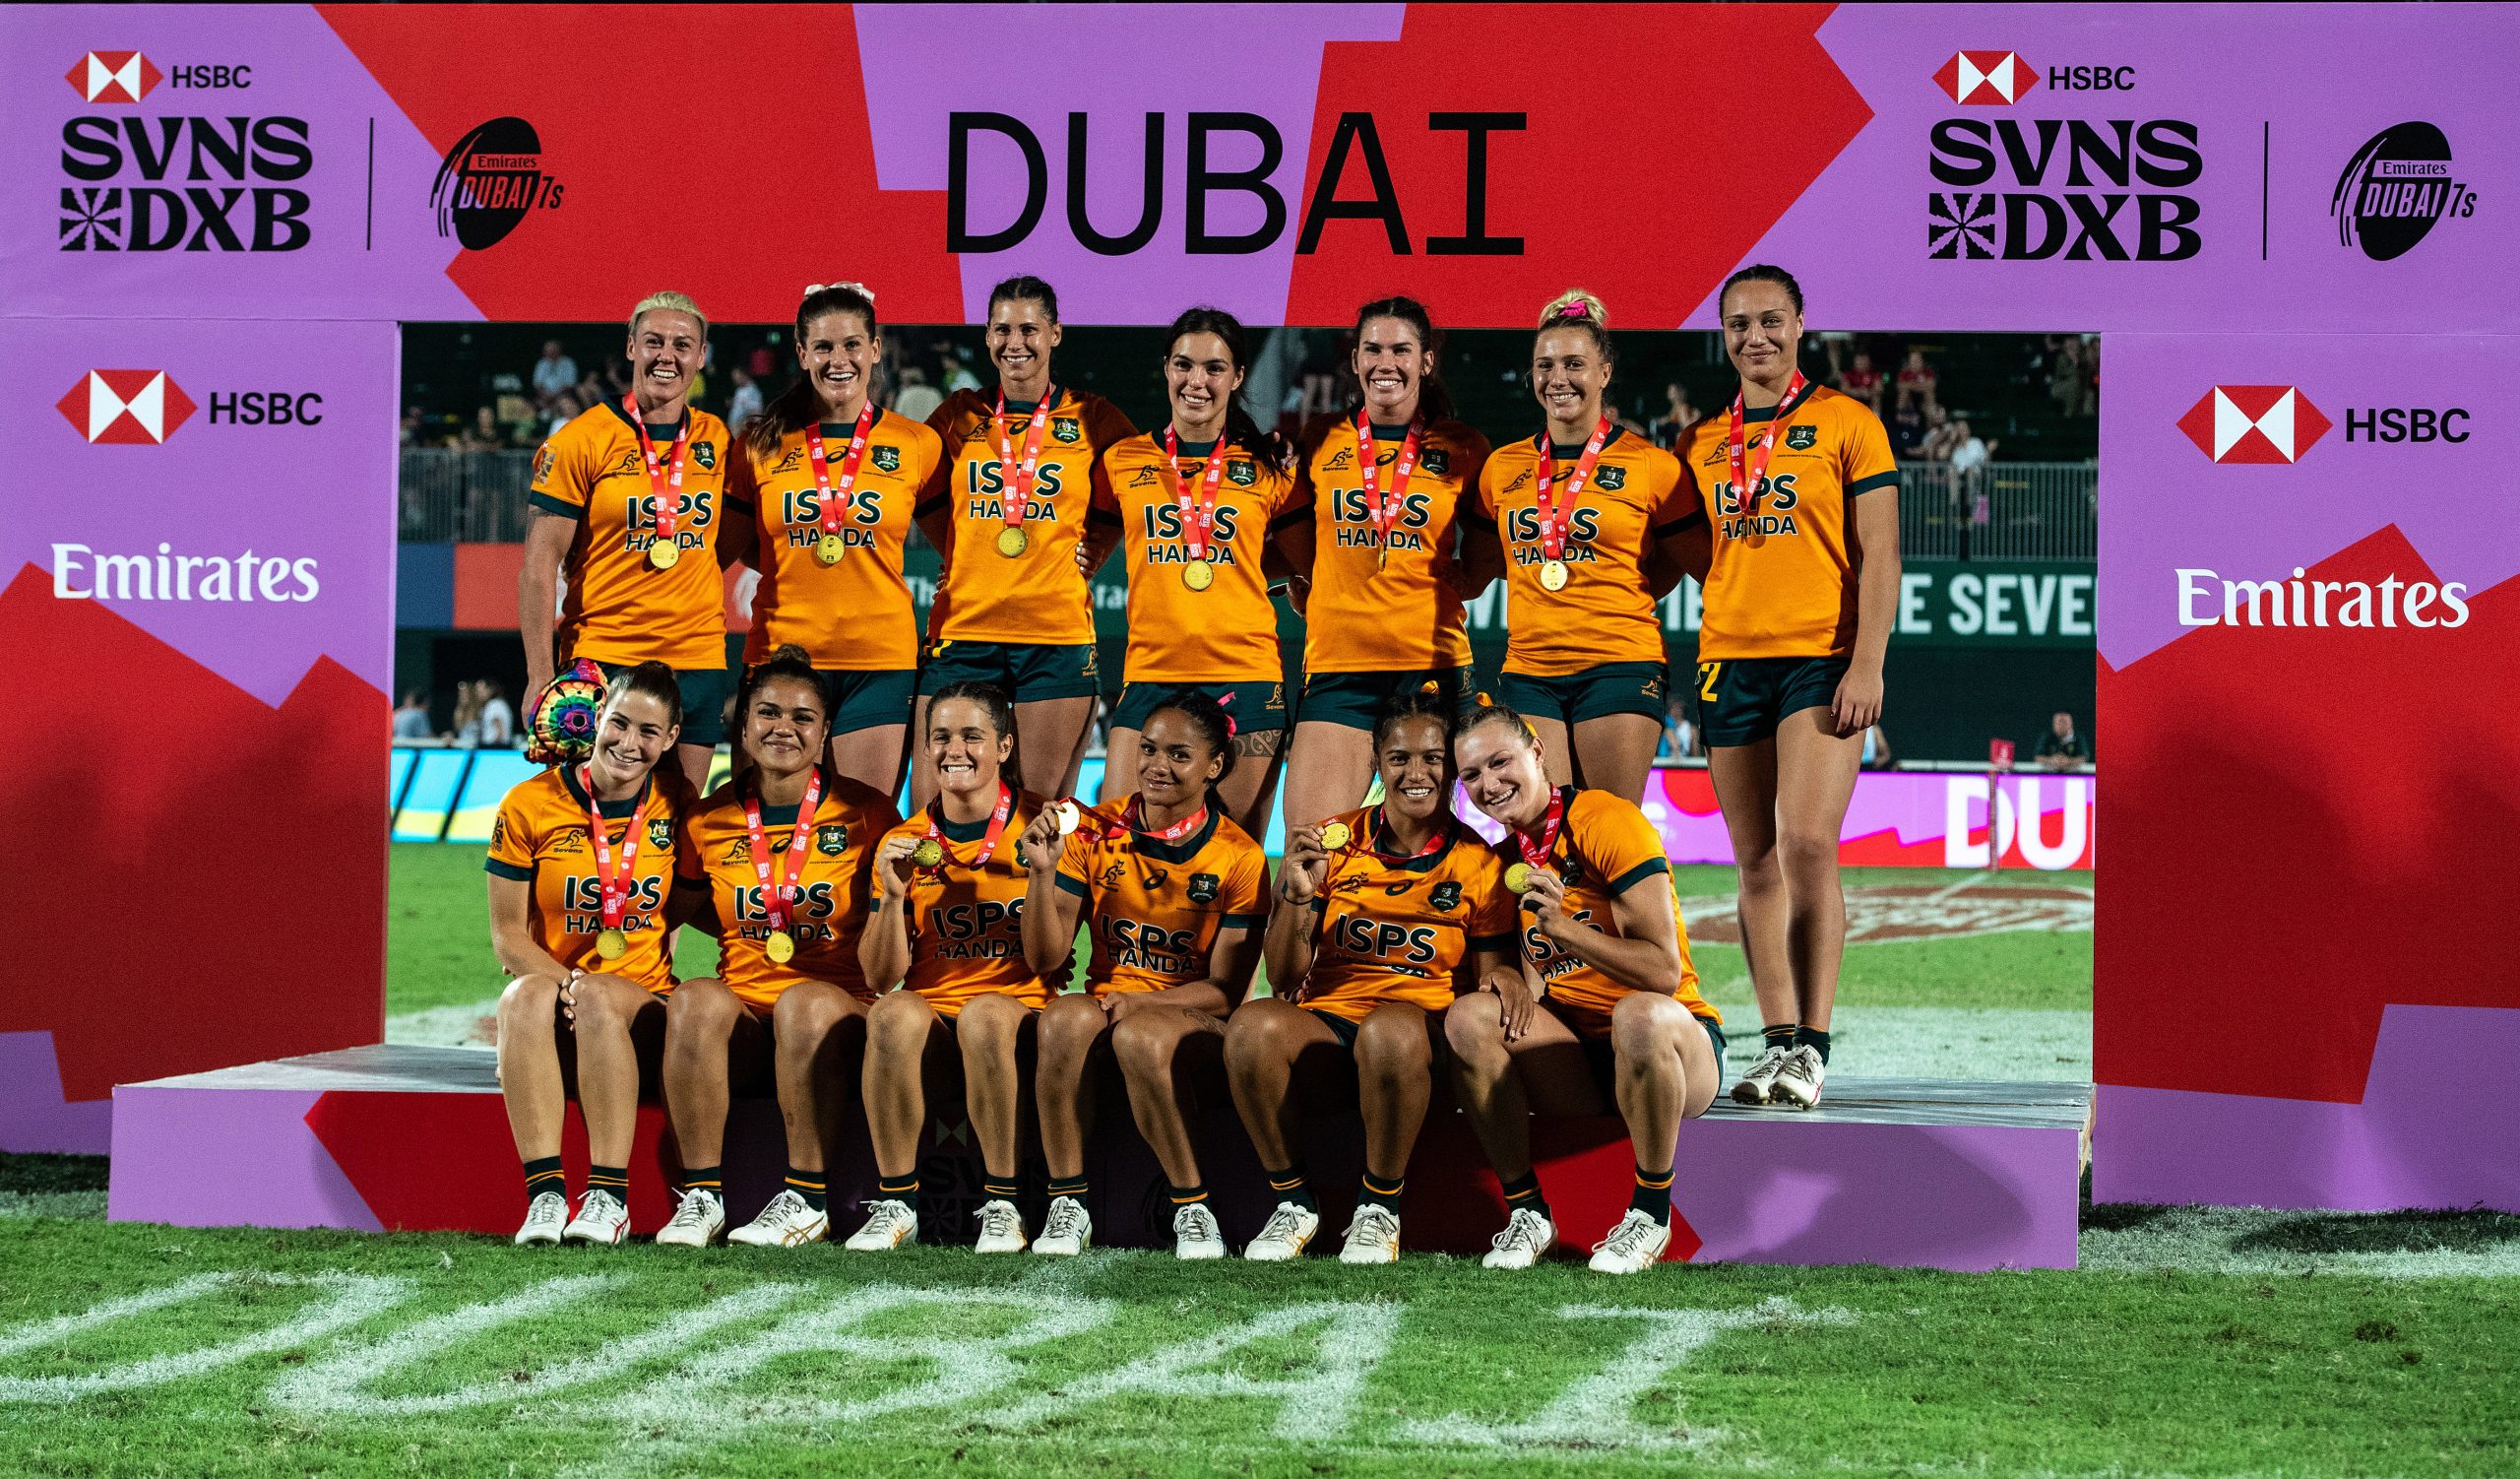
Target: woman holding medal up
(1384, 609)
(623, 511)
(579, 861)
(945, 956)
(1589, 518)
(1019, 470)
(1802, 587)
(1196, 506)
(777, 863)
(821, 494)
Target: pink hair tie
(1574, 310)
(1228, 719)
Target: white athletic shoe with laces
(1284, 1234)
(1798, 1083)
(889, 1225)
(1195, 1234)
(545, 1216)
(1001, 1228)
(1374, 1237)
(697, 1220)
(788, 1221)
(602, 1218)
(1067, 1230)
(1633, 1246)
(1756, 1085)
(1526, 1237)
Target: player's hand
(1858, 704)
(1307, 863)
(569, 998)
(1545, 897)
(1514, 999)
(893, 866)
(534, 684)
(1040, 846)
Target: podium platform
(1924, 1173)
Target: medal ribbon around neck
(1558, 513)
(1199, 516)
(834, 505)
(1019, 477)
(1536, 856)
(1747, 474)
(1173, 833)
(615, 894)
(988, 843)
(669, 492)
(775, 901)
(1386, 512)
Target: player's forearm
(1876, 606)
(1642, 965)
(1049, 932)
(537, 598)
(883, 951)
(1287, 950)
(519, 956)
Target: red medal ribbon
(996, 826)
(1745, 479)
(1198, 519)
(615, 886)
(1173, 833)
(1443, 832)
(1555, 514)
(775, 901)
(1019, 479)
(1386, 512)
(1538, 857)
(835, 504)
(668, 493)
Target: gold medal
(662, 554)
(1553, 575)
(829, 549)
(1198, 575)
(929, 853)
(1070, 817)
(1518, 878)
(1012, 541)
(781, 948)
(1382, 557)
(611, 945)
(1334, 836)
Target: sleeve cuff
(923, 508)
(550, 505)
(504, 870)
(1876, 480)
(1074, 886)
(1102, 516)
(1639, 873)
(1244, 920)
(1476, 519)
(1301, 513)
(1503, 944)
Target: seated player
(1381, 913)
(1619, 1020)
(579, 858)
(777, 863)
(1172, 893)
(945, 957)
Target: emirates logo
(2254, 424)
(114, 76)
(126, 406)
(1986, 79)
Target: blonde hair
(668, 301)
(1578, 308)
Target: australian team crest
(661, 834)
(830, 842)
(1445, 897)
(1203, 888)
(1609, 480)
(705, 454)
(1436, 461)
(1801, 438)
(1067, 428)
(1241, 474)
(542, 465)
(888, 459)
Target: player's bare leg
(695, 761)
(923, 772)
(1119, 766)
(1327, 769)
(1816, 771)
(1746, 787)
(1265, 1041)
(1616, 753)
(820, 1033)
(1051, 736)
(529, 1081)
(872, 756)
(1247, 792)
(610, 1014)
(713, 1042)
(1072, 1026)
(1556, 750)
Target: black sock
(1068, 1186)
(704, 1179)
(809, 1186)
(544, 1175)
(1382, 1193)
(1653, 1194)
(1183, 1197)
(1524, 1192)
(612, 1179)
(1779, 1038)
(1000, 1191)
(1288, 1185)
(1813, 1038)
(897, 1188)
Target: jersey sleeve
(945, 421)
(513, 840)
(1106, 426)
(1619, 842)
(744, 484)
(1675, 500)
(1473, 449)
(928, 452)
(563, 481)
(1865, 455)
(1107, 476)
(1480, 507)
(689, 866)
(1076, 863)
(1246, 891)
(1492, 909)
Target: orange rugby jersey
(541, 838)
(856, 614)
(616, 607)
(1396, 928)
(1605, 613)
(1604, 847)
(967, 925)
(1156, 908)
(1226, 633)
(836, 885)
(1039, 597)
(1361, 618)
(1793, 594)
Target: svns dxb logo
(2066, 189)
(142, 183)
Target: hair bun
(1578, 304)
(1485, 701)
(1430, 686)
(860, 289)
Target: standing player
(823, 492)
(945, 957)
(1173, 894)
(624, 512)
(1802, 586)
(1621, 1021)
(777, 863)
(1585, 510)
(1018, 473)
(1198, 504)
(1384, 612)
(1379, 912)
(578, 861)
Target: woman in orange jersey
(1383, 612)
(1019, 468)
(779, 864)
(945, 957)
(623, 512)
(1173, 894)
(1195, 507)
(1619, 1021)
(1801, 572)
(1379, 912)
(1589, 518)
(579, 861)
(822, 496)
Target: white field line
(334, 1385)
(349, 1299)
(442, 1026)
(2207, 1239)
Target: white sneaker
(1195, 1234)
(697, 1220)
(1287, 1230)
(1374, 1237)
(545, 1216)
(602, 1218)
(1067, 1230)
(788, 1221)
(1526, 1237)
(889, 1225)
(1633, 1246)
(1798, 1083)
(1760, 1081)
(1001, 1228)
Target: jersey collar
(610, 809)
(786, 816)
(1390, 857)
(1178, 852)
(632, 426)
(1768, 413)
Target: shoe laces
(1196, 1221)
(883, 1215)
(1066, 1217)
(693, 1209)
(1629, 1237)
(1283, 1225)
(997, 1220)
(1522, 1230)
(786, 1206)
(1373, 1224)
(600, 1203)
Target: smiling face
(838, 354)
(965, 746)
(1415, 764)
(786, 725)
(1200, 377)
(1175, 766)
(1568, 376)
(666, 350)
(1021, 335)
(1762, 330)
(1501, 771)
(631, 735)
(1391, 362)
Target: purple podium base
(34, 1114)
(1906, 1172)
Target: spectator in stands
(415, 426)
(2071, 378)
(498, 716)
(761, 364)
(1917, 380)
(2060, 749)
(1877, 754)
(553, 373)
(485, 434)
(1938, 441)
(918, 400)
(1678, 415)
(1967, 455)
(1679, 732)
(746, 403)
(1862, 381)
(565, 407)
(466, 732)
(412, 720)
(1907, 429)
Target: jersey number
(1706, 673)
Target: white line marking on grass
(1311, 1407)
(1953, 887)
(351, 1298)
(2255, 1241)
(334, 1384)
(444, 1027)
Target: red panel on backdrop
(384, 1144)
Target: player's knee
(990, 1022)
(1392, 1040)
(1642, 1033)
(526, 1001)
(1474, 1026)
(701, 1007)
(1262, 1030)
(803, 1018)
(1072, 1022)
(1802, 848)
(899, 1021)
(1143, 1043)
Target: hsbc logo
(2254, 424)
(114, 76)
(126, 406)
(1986, 79)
